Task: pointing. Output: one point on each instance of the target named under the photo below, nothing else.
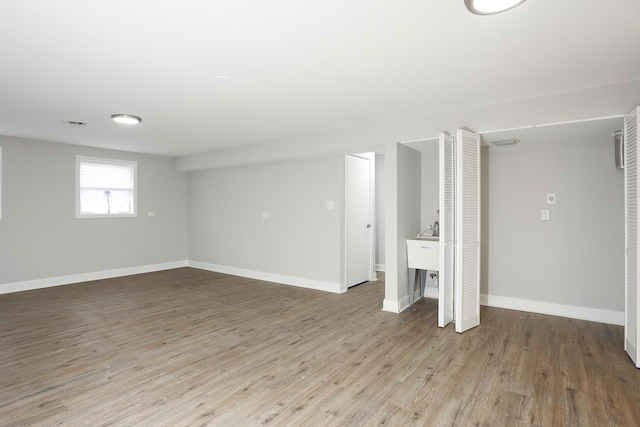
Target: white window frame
(0, 182)
(132, 164)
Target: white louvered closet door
(632, 305)
(447, 197)
(467, 232)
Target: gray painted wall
(40, 236)
(300, 238)
(402, 183)
(430, 180)
(430, 191)
(576, 258)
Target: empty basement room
(175, 213)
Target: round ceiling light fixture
(126, 119)
(491, 7)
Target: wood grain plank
(187, 347)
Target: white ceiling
(294, 67)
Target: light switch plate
(544, 214)
(330, 205)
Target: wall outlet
(151, 213)
(551, 198)
(544, 214)
(330, 205)
(265, 214)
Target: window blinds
(106, 188)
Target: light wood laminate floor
(188, 347)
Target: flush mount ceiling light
(126, 119)
(490, 7)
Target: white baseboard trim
(335, 288)
(553, 309)
(431, 292)
(391, 306)
(86, 277)
(380, 267)
(541, 307)
(398, 306)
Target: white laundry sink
(423, 253)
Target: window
(105, 188)
(0, 182)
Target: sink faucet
(424, 231)
(435, 230)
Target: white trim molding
(29, 285)
(430, 292)
(540, 307)
(548, 308)
(399, 306)
(0, 182)
(391, 306)
(553, 309)
(335, 288)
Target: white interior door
(447, 197)
(631, 235)
(467, 231)
(359, 226)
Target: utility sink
(423, 253)
(428, 238)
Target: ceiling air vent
(74, 123)
(506, 142)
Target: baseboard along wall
(541, 307)
(549, 308)
(29, 285)
(336, 288)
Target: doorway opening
(359, 218)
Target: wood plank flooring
(187, 347)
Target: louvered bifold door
(467, 218)
(447, 197)
(631, 138)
